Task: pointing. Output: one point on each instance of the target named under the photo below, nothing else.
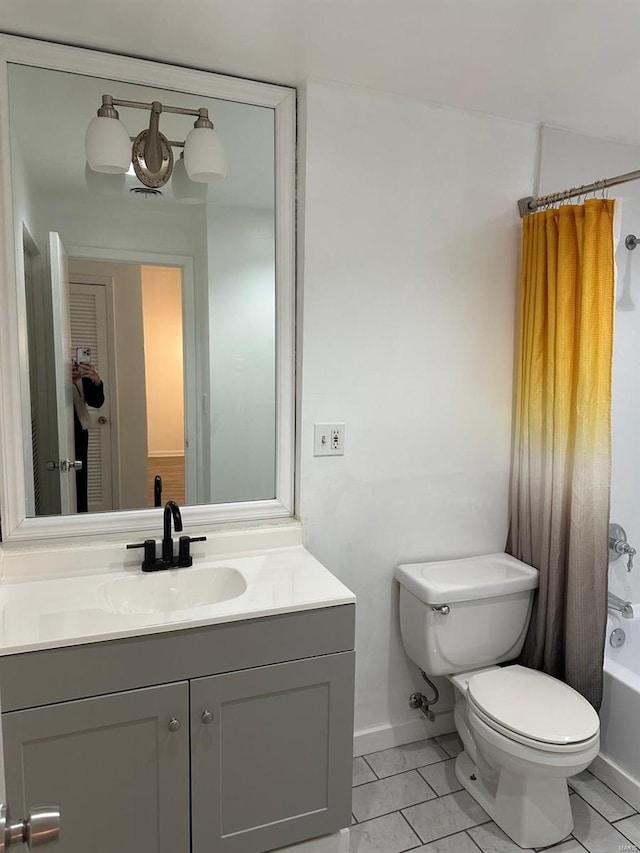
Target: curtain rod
(531, 204)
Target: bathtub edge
(619, 780)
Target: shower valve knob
(619, 545)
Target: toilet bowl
(524, 733)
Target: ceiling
(574, 63)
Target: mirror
(156, 328)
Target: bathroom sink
(178, 589)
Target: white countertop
(65, 611)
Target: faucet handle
(631, 553)
(184, 551)
(149, 560)
(619, 545)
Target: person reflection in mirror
(88, 390)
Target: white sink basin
(177, 589)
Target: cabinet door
(272, 766)
(120, 775)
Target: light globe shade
(107, 145)
(184, 189)
(204, 156)
(104, 184)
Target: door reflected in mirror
(141, 307)
(150, 317)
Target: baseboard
(619, 780)
(382, 737)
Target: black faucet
(171, 508)
(168, 560)
(157, 490)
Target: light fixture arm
(174, 143)
(153, 146)
(141, 105)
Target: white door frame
(31, 250)
(58, 268)
(193, 424)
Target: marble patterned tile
(593, 831)
(630, 828)
(444, 816)
(570, 846)
(451, 744)
(600, 797)
(362, 773)
(491, 839)
(458, 843)
(442, 777)
(398, 759)
(390, 795)
(388, 834)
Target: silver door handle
(41, 827)
(102, 420)
(64, 465)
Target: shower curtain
(561, 467)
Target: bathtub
(619, 761)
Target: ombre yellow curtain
(562, 445)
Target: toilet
(524, 733)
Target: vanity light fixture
(184, 189)
(109, 148)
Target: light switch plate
(328, 439)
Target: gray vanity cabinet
(120, 775)
(229, 738)
(271, 754)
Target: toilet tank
(465, 614)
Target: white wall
(145, 226)
(240, 248)
(567, 160)
(411, 243)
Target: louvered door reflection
(88, 313)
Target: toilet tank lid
(448, 581)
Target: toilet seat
(533, 709)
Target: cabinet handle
(207, 717)
(174, 724)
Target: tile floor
(408, 798)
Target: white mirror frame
(14, 368)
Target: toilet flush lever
(441, 608)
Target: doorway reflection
(130, 318)
(163, 366)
